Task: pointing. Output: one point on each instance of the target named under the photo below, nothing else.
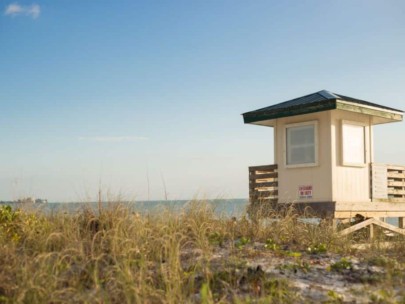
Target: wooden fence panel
(263, 183)
(388, 182)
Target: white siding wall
(350, 183)
(320, 176)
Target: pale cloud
(112, 138)
(15, 9)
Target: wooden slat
(357, 227)
(389, 227)
(264, 198)
(350, 214)
(369, 206)
(395, 175)
(393, 183)
(397, 200)
(263, 180)
(396, 191)
(263, 176)
(395, 167)
(264, 184)
(263, 168)
(266, 193)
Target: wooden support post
(334, 224)
(371, 227)
(401, 222)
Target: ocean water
(221, 207)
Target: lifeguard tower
(323, 152)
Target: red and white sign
(305, 192)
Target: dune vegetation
(115, 255)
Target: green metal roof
(317, 102)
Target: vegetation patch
(192, 256)
(342, 265)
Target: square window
(301, 144)
(353, 141)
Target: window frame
(342, 139)
(313, 123)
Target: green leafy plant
(342, 265)
(205, 294)
(242, 242)
(271, 245)
(215, 238)
(334, 297)
(317, 249)
(294, 254)
(9, 226)
(383, 296)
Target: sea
(221, 207)
(225, 208)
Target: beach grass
(115, 255)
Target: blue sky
(116, 93)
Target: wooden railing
(263, 183)
(387, 183)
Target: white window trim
(355, 123)
(301, 124)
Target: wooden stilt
(401, 222)
(334, 224)
(371, 227)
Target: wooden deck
(387, 192)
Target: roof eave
(257, 116)
(384, 115)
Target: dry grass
(118, 256)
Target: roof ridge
(328, 94)
(294, 99)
